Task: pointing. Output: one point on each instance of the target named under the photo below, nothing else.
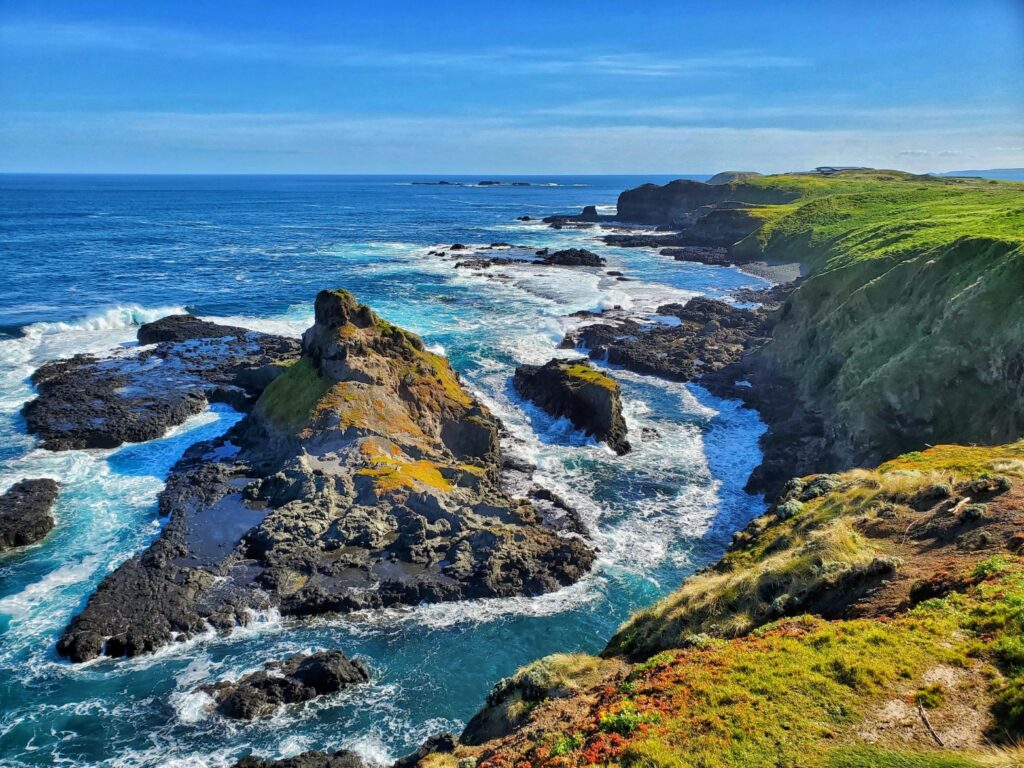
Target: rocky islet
(26, 512)
(364, 476)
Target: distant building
(828, 170)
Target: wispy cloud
(184, 43)
(726, 107)
(325, 143)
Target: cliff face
(683, 202)
(865, 620)
(365, 476)
(899, 354)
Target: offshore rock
(710, 334)
(573, 257)
(292, 681)
(25, 512)
(365, 476)
(576, 390)
(138, 394)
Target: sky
(346, 86)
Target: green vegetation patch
(292, 397)
(586, 374)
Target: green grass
(290, 399)
(585, 373)
(806, 548)
(875, 757)
(904, 333)
(829, 221)
(787, 694)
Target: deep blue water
(88, 258)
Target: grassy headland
(872, 619)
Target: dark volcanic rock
(682, 202)
(178, 328)
(292, 681)
(647, 241)
(482, 263)
(701, 254)
(364, 476)
(439, 743)
(573, 257)
(574, 389)
(587, 218)
(794, 443)
(771, 297)
(710, 335)
(25, 512)
(340, 759)
(138, 394)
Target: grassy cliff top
(873, 214)
(861, 622)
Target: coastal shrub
(991, 565)
(787, 509)
(819, 486)
(624, 720)
(931, 696)
(565, 745)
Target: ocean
(86, 259)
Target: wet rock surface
(25, 512)
(364, 476)
(137, 394)
(574, 389)
(439, 743)
(573, 257)
(701, 254)
(298, 679)
(795, 442)
(705, 335)
(340, 759)
(487, 256)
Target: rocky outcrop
(365, 476)
(681, 203)
(296, 680)
(573, 257)
(25, 512)
(576, 390)
(701, 254)
(587, 218)
(512, 255)
(341, 759)
(138, 394)
(438, 744)
(709, 335)
(723, 225)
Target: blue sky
(459, 87)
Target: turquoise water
(88, 258)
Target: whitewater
(88, 259)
